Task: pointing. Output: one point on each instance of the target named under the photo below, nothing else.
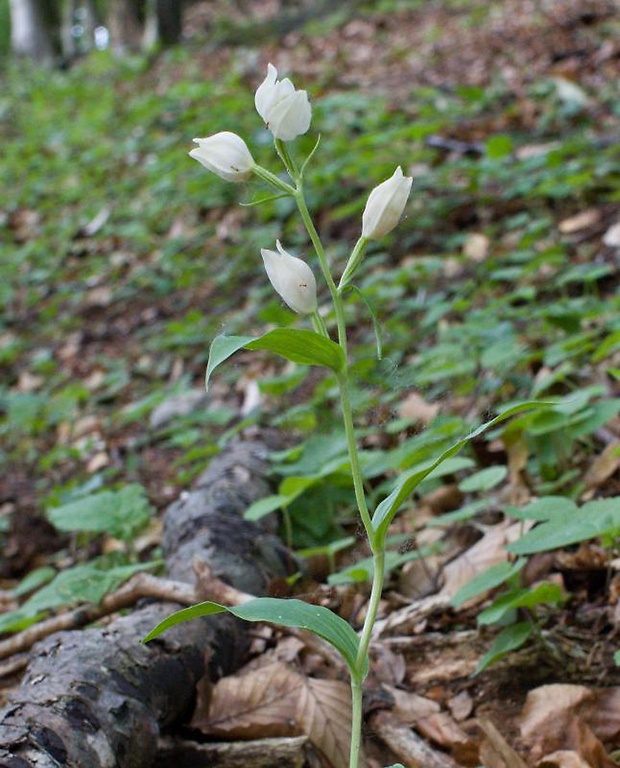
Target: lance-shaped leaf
(286, 613)
(387, 509)
(295, 344)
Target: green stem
(319, 325)
(378, 577)
(320, 252)
(356, 470)
(356, 722)
(273, 180)
(357, 675)
(287, 159)
(353, 263)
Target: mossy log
(99, 698)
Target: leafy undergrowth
(121, 261)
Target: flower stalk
(286, 112)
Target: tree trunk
(35, 29)
(169, 21)
(125, 22)
(97, 698)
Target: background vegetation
(121, 259)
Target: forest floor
(123, 261)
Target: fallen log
(98, 698)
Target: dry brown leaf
(495, 751)
(488, 551)
(415, 407)
(461, 706)
(387, 665)
(441, 729)
(324, 715)
(582, 220)
(517, 493)
(573, 718)
(476, 247)
(261, 703)
(604, 714)
(546, 712)
(611, 238)
(563, 758)
(603, 467)
(410, 707)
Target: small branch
(13, 665)
(138, 586)
(209, 587)
(407, 745)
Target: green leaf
(596, 518)
(33, 580)
(387, 509)
(265, 506)
(373, 316)
(86, 583)
(489, 579)
(544, 594)
(545, 508)
(120, 513)
(302, 346)
(287, 613)
(485, 480)
(498, 146)
(298, 345)
(222, 347)
(509, 639)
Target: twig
(499, 746)
(209, 587)
(13, 665)
(407, 745)
(138, 586)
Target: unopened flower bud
(292, 278)
(285, 111)
(385, 205)
(226, 154)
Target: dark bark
(169, 21)
(98, 698)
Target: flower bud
(285, 111)
(385, 205)
(292, 278)
(226, 154)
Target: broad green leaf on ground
(121, 513)
(86, 583)
(569, 525)
(489, 579)
(543, 594)
(484, 480)
(265, 506)
(387, 509)
(545, 508)
(287, 613)
(509, 639)
(295, 344)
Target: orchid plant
(287, 113)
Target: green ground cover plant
(108, 291)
